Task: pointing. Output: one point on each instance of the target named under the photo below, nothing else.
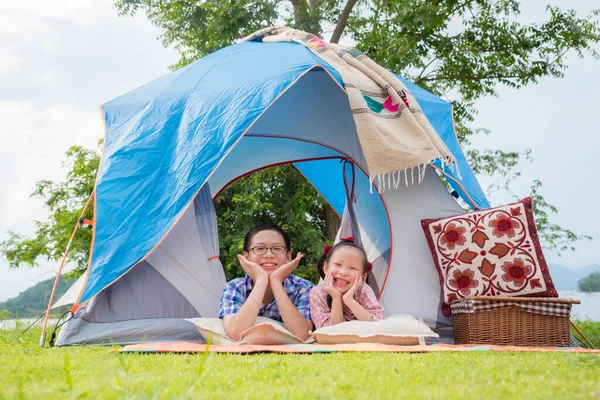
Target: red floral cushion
(493, 252)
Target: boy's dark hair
(266, 226)
(324, 257)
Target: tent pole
(62, 263)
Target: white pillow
(397, 329)
(211, 329)
(265, 331)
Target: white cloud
(14, 281)
(37, 139)
(15, 31)
(58, 63)
(9, 61)
(54, 9)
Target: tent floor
(186, 347)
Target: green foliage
(469, 47)
(33, 301)
(591, 331)
(65, 201)
(591, 283)
(98, 372)
(466, 48)
(281, 195)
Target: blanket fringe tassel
(392, 180)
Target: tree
(278, 194)
(450, 47)
(591, 283)
(465, 48)
(64, 201)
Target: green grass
(28, 372)
(591, 330)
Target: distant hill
(566, 279)
(32, 302)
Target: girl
(268, 289)
(344, 294)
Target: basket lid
(535, 305)
(522, 299)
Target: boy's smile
(268, 261)
(268, 266)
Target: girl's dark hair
(329, 254)
(348, 243)
(266, 226)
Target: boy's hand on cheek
(254, 271)
(281, 273)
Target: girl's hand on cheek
(329, 288)
(349, 295)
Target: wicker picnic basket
(517, 321)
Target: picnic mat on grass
(186, 347)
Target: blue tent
(246, 107)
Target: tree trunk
(342, 21)
(332, 222)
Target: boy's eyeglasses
(260, 250)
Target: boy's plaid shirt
(237, 291)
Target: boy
(268, 289)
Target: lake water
(22, 324)
(588, 309)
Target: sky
(60, 60)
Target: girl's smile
(341, 283)
(345, 266)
